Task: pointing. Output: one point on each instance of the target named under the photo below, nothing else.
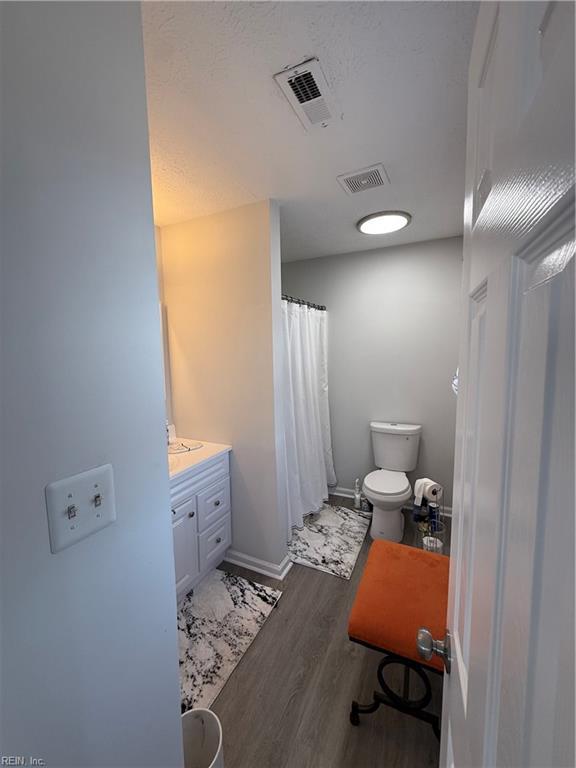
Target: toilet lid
(386, 482)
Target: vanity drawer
(213, 504)
(186, 508)
(215, 541)
(194, 480)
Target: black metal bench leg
(416, 708)
(363, 709)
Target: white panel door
(509, 698)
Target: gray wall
(393, 347)
(89, 651)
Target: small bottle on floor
(357, 499)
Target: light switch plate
(80, 505)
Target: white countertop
(182, 462)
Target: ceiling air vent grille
(304, 87)
(308, 93)
(367, 178)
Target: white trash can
(202, 738)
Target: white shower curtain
(309, 466)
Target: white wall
(221, 277)
(89, 653)
(393, 319)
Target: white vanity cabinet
(201, 512)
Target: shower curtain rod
(303, 303)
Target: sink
(177, 446)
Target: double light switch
(80, 505)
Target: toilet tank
(395, 445)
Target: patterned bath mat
(216, 624)
(330, 540)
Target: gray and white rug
(330, 540)
(216, 624)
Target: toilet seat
(388, 484)
(388, 491)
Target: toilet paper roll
(428, 489)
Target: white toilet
(395, 452)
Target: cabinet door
(185, 551)
(187, 507)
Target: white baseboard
(260, 566)
(339, 491)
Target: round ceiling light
(384, 222)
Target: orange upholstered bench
(402, 590)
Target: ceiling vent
(307, 91)
(366, 178)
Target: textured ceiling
(222, 134)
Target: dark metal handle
(218, 540)
(173, 511)
(217, 503)
(191, 514)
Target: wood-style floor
(286, 705)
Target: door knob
(427, 646)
